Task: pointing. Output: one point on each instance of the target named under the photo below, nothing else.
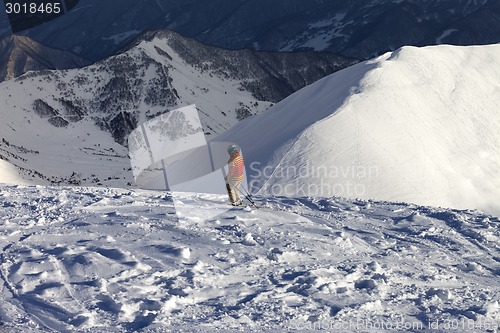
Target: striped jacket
(236, 167)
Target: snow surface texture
(417, 125)
(112, 260)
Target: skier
(235, 176)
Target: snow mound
(416, 125)
(9, 174)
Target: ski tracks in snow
(111, 260)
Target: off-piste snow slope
(106, 260)
(77, 259)
(417, 125)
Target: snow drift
(417, 125)
(9, 174)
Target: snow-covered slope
(417, 125)
(71, 126)
(10, 175)
(106, 260)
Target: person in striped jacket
(235, 175)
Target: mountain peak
(21, 54)
(96, 107)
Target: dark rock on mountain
(161, 71)
(19, 54)
(270, 76)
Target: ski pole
(247, 196)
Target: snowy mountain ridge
(415, 125)
(71, 126)
(19, 54)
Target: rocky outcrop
(19, 55)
